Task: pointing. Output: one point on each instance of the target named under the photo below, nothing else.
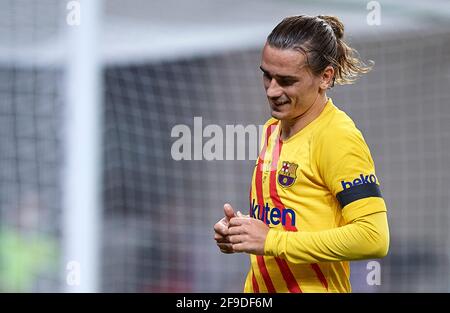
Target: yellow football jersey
(321, 178)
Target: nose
(274, 90)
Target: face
(290, 87)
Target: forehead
(282, 61)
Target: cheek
(305, 90)
(295, 92)
(315, 84)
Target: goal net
(202, 81)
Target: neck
(293, 126)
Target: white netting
(31, 103)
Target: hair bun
(335, 23)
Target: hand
(221, 230)
(247, 235)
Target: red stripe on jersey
(320, 275)
(254, 283)
(289, 278)
(259, 169)
(260, 198)
(273, 186)
(265, 274)
(278, 203)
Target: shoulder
(338, 140)
(338, 130)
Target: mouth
(276, 105)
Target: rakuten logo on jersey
(272, 215)
(361, 180)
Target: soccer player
(315, 200)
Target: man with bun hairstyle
(315, 200)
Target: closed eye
(286, 82)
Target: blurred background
(91, 198)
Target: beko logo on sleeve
(361, 180)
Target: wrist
(270, 245)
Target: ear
(326, 79)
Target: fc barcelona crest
(287, 174)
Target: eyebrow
(278, 76)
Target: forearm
(365, 238)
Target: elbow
(376, 237)
(379, 247)
(383, 242)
